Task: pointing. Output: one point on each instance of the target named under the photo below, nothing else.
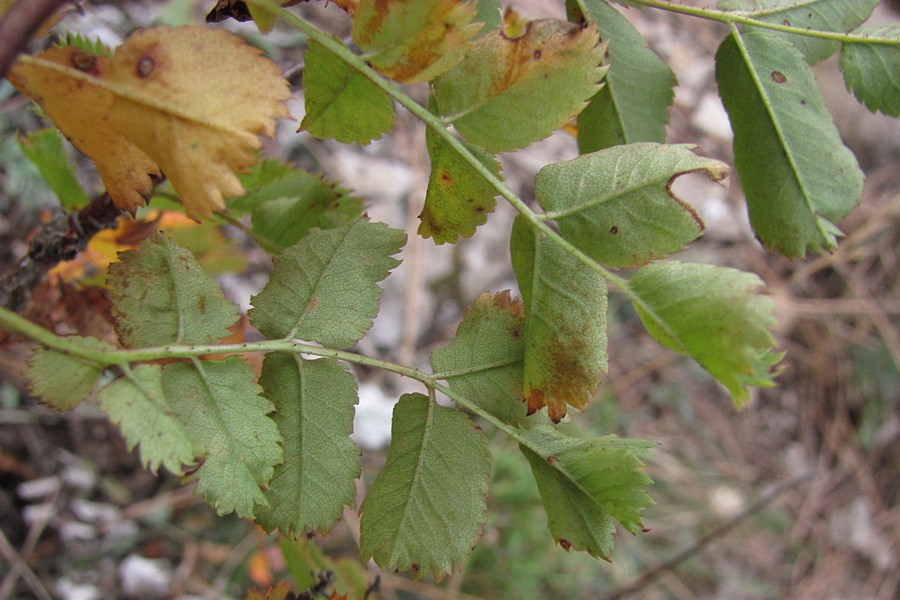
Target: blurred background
(794, 497)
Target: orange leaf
(169, 97)
(79, 109)
(195, 100)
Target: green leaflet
(458, 198)
(565, 323)
(425, 509)
(798, 177)
(137, 404)
(44, 148)
(633, 105)
(823, 15)
(314, 403)
(324, 287)
(713, 314)
(509, 92)
(287, 206)
(340, 102)
(484, 360)
(872, 70)
(617, 206)
(61, 379)
(585, 484)
(161, 295)
(414, 41)
(220, 406)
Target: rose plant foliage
(274, 445)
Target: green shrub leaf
(314, 403)
(161, 295)
(797, 175)
(340, 102)
(63, 380)
(713, 314)
(824, 15)
(414, 41)
(45, 149)
(458, 198)
(872, 69)
(633, 105)
(137, 404)
(286, 207)
(221, 408)
(324, 287)
(509, 92)
(425, 509)
(565, 323)
(617, 205)
(585, 484)
(484, 362)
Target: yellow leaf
(79, 109)
(195, 100)
(189, 99)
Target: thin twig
(655, 573)
(19, 568)
(17, 26)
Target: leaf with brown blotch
(168, 100)
(79, 109)
(185, 107)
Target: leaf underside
(872, 70)
(715, 315)
(633, 105)
(565, 323)
(617, 206)
(797, 175)
(324, 289)
(63, 380)
(586, 484)
(426, 508)
(314, 405)
(486, 356)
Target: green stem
(744, 17)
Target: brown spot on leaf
(566, 544)
(84, 61)
(414, 568)
(551, 459)
(201, 304)
(537, 54)
(145, 66)
(778, 77)
(614, 230)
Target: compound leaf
(342, 103)
(713, 314)
(823, 15)
(219, 404)
(585, 484)
(414, 41)
(323, 288)
(797, 175)
(63, 380)
(425, 509)
(45, 149)
(617, 205)
(137, 404)
(80, 112)
(565, 323)
(509, 92)
(314, 403)
(872, 69)
(458, 198)
(633, 105)
(484, 361)
(161, 295)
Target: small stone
(145, 577)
